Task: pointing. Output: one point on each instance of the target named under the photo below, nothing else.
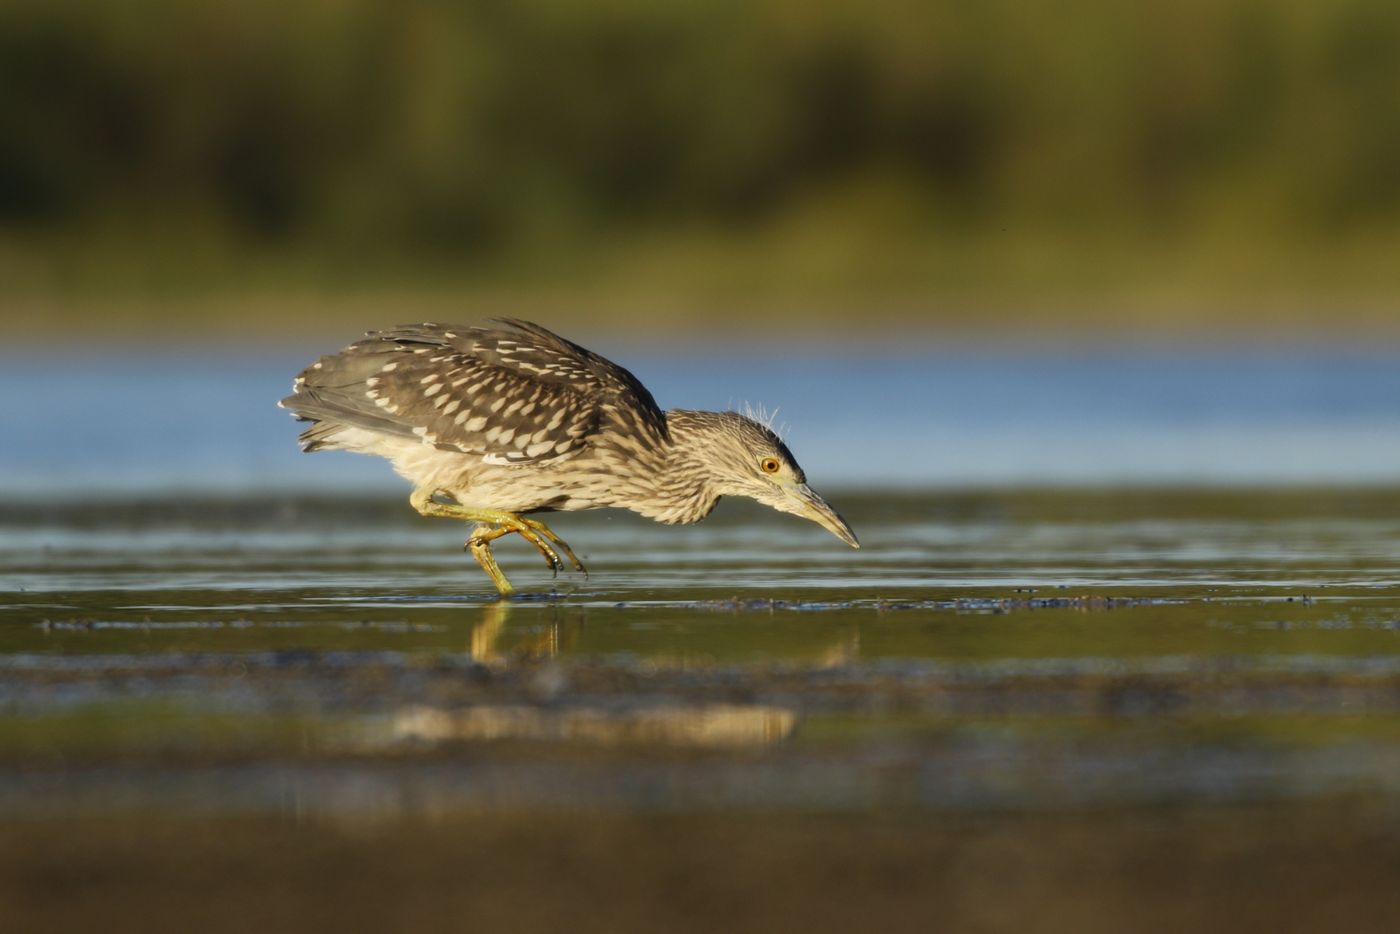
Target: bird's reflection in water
(486, 635)
(840, 651)
(560, 635)
(718, 725)
(487, 641)
(681, 726)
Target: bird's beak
(803, 501)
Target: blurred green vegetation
(1198, 161)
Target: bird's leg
(504, 523)
(480, 546)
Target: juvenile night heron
(492, 424)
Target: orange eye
(770, 465)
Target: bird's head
(744, 458)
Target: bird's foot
(544, 540)
(493, 524)
(551, 557)
(544, 531)
(536, 533)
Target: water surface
(1013, 649)
(234, 678)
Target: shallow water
(1160, 700)
(1023, 650)
(1077, 711)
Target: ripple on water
(993, 650)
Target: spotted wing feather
(516, 394)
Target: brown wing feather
(515, 395)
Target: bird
(497, 423)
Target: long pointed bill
(803, 501)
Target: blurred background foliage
(998, 164)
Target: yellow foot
(494, 523)
(544, 532)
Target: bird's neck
(682, 482)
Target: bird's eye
(770, 465)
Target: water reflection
(699, 726)
(553, 629)
(492, 643)
(486, 635)
(999, 649)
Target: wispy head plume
(766, 417)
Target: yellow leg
(493, 524)
(480, 547)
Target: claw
(551, 557)
(548, 533)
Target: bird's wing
(514, 394)
(548, 356)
